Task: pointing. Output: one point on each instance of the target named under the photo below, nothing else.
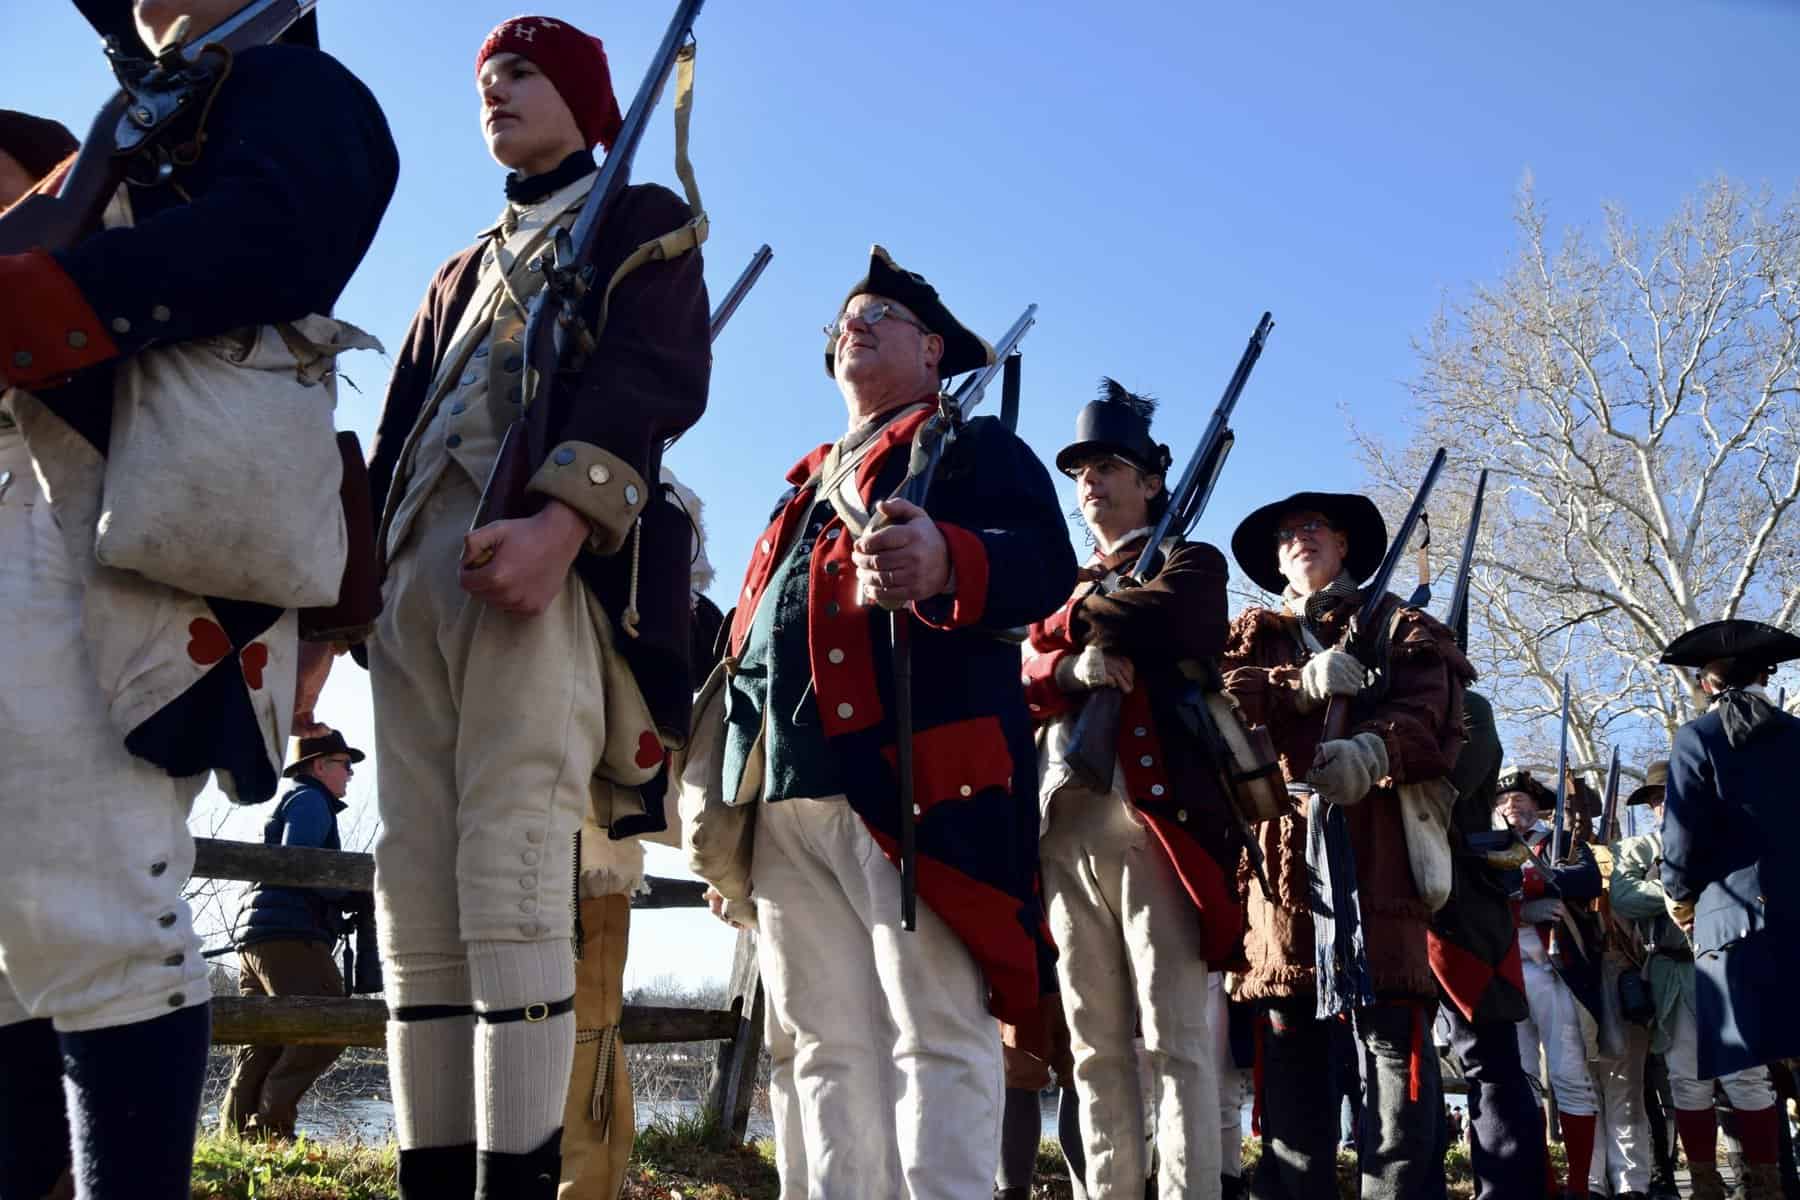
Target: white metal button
(966, 790)
(834, 656)
(846, 711)
(598, 474)
(1140, 731)
(1146, 761)
(1156, 789)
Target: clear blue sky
(1154, 175)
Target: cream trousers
(488, 727)
(1129, 956)
(1621, 1160)
(895, 1062)
(95, 851)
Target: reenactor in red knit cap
(500, 670)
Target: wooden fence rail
(357, 1021)
(294, 866)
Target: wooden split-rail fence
(360, 1021)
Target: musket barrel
(1456, 616)
(729, 305)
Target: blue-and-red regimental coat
(975, 769)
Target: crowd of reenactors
(1293, 858)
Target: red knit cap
(573, 62)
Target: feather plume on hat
(1114, 392)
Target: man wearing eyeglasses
(897, 1061)
(1141, 881)
(1282, 665)
(284, 945)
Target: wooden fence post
(733, 1083)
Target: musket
(1558, 853)
(126, 137)
(1093, 744)
(1421, 595)
(1781, 700)
(722, 314)
(1456, 616)
(1609, 810)
(555, 316)
(935, 436)
(1364, 634)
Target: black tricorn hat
(1356, 517)
(319, 747)
(113, 18)
(1749, 640)
(1514, 779)
(1656, 779)
(963, 349)
(36, 143)
(1117, 423)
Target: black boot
(1012, 1193)
(532, 1176)
(1232, 1187)
(438, 1173)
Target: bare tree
(1636, 396)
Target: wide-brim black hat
(1356, 517)
(35, 143)
(964, 350)
(318, 747)
(113, 18)
(1748, 640)
(1656, 779)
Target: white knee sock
(431, 1064)
(521, 1067)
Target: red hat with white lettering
(574, 63)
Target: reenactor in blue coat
(897, 1063)
(1731, 847)
(281, 181)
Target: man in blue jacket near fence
(284, 945)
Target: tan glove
(1326, 674)
(1345, 770)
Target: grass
(680, 1159)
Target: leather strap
(430, 1012)
(531, 1012)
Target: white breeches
(1748, 1090)
(1235, 1082)
(1621, 1159)
(95, 849)
(488, 727)
(1555, 1025)
(895, 1060)
(1129, 956)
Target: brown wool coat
(1420, 721)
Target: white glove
(1345, 770)
(1544, 908)
(1326, 674)
(1092, 669)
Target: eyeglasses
(1288, 533)
(341, 761)
(871, 315)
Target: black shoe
(1233, 1187)
(438, 1173)
(1012, 1193)
(1631, 1196)
(532, 1176)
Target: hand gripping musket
(128, 138)
(1364, 633)
(938, 432)
(1093, 743)
(556, 317)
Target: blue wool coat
(975, 767)
(1731, 845)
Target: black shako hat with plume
(964, 350)
(1117, 423)
(114, 19)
